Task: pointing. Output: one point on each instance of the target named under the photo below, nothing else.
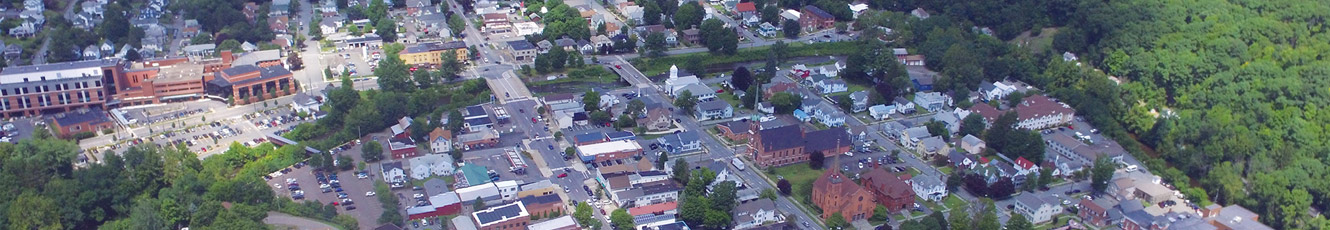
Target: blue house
(801, 115)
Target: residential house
(657, 119)
(682, 142)
(919, 13)
(440, 141)
(91, 52)
(776, 86)
(881, 112)
(745, 9)
(1038, 209)
(828, 115)
(737, 130)
(995, 90)
(632, 12)
(932, 101)
(1086, 152)
(857, 133)
(423, 167)
(812, 19)
(933, 145)
(903, 106)
(544, 46)
(567, 44)
(888, 189)
(755, 213)
(895, 129)
(1096, 211)
(1025, 166)
(414, 7)
(972, 144)
(790, 144)
(859, 101)
(858, 9)
(961, 160)
(717, 109)
(929, 188)
(836, 193)
(827, 85)
(766, 29)
(911, 137)
(692, 35)
(949, 121)
(700, 91)
(923, 82)
(402, 147)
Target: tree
(779, 52)
(724, 196)
(591, 101)
(655, 45)
(845, 103)
(635, 107)
(455, 120)
(625, 121)
(771, 14)
(599, 117)
(972, 124)
(583, 214)
(386, 29)
(837, 221)
(651, 13)
(1015, 98)
(689, 14)
(741, 78)
(345, 163)
(600, 29)
(456, 23)
(791, 28)
(1045, 177)
(768, 194)
(685, 101)
(711, 34)
(1100, 173)
(660, 162)
(621, 220)
(371, 151)
(841, 27)
(816, 160)
(784, 186)
(33, 211)
(937, 128)
(423, 78)
(880, 213)
(959, 219)
(1019, 222)
(393, 75)
(785, 103)
(202, 38)
(750, 98)
(729, 42)
(478, 205)
(230, 44)
(681, 171)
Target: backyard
(801, 179)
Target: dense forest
(1226, 97)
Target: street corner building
(248, 83)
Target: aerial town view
(664, 114)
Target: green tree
(880, 213)
(371, 151)
(423, 78)
(771, 14)
(455, 121)
(769, 194)
(837, 221)
(230, 44)
(478, 205)
(972, 124)
(635, 107)
(583, 213)
(386, 29)
(655, 45)
(625, 121)
(393, 75)
(456, 23)
(1101, 173)
(651, 13)
(599, 117)
(685, 101)
(33, 211)
(202, 38)
(688, 15)
(660, 162)
(724, 196)
(1018, 222)
(591, 101)
(621, 220)
(750, 98)
(741, 79)
(959, 219)
(792, 28)
(681, 173)
(938, 128)
(345, 163)
(785, 103)
(817, 160)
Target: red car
(562, 175)
(618, 67)
(533, 120)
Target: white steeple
(674, 71)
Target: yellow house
(432, 53)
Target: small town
(663, 115)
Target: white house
(932, 101)
(953, 124)
(827, 115)
(911, 137)
(972, 144)
(928, 188)
(903, 106)
(681, 142)
(440, 141)
(755, 213)
(702, 92)
(717, 109)
(1037, 209)
(859, 101)
(995, 90)
(829, 86)
(881, 112)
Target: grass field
(656, 66)
(801, 178)
(953, 202)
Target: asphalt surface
(295, 222)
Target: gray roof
(521, 45)
(933, 143)
(1034, 201)
(918, 132)
(435, 186)
(253, 58)
(546, 199)
(713, 105)
(926, 181)
(971, 140)
(697, 89)
(680, 138)
(59, 66)
(744, 212)
(859, 96)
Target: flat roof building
(57, 87)
(511, 215)
(608, 151)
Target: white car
(418, 195)
(370, 193)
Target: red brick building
(737, 130)
(57, 87)
(790, 144)
(92, 120)
(888, 189)
(509, 216)
(402, 147)
(1093, 213)
(836, 193)
(812, 19)
(542, 206)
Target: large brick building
(888, 190)
(812, 19)
(836, 193)
(247, 83)
(543, 205)
(791, 144)
(57, 87)
(432, 54)
(90, 120)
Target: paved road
(301, 223)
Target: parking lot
(496, 159)
(363, 62)
(366, 208)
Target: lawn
(656, 66)
(801, 178)
(730, 98)
(931, 205)
(1059, 220)
(421, 183)
(946, 170)
(953, 202)
(590, 74)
